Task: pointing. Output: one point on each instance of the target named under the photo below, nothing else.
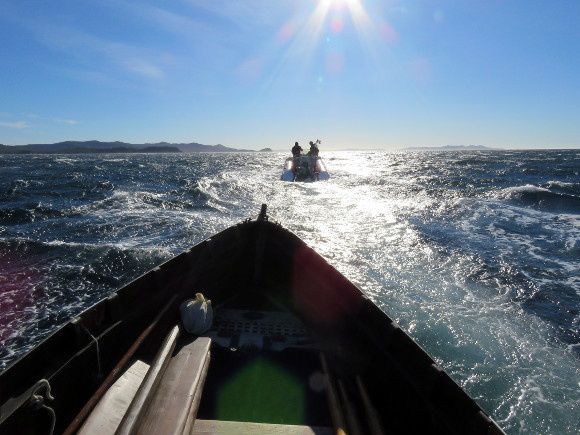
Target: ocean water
(475, 254)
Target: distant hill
(195, 147)
(266, 150)
(95, 146)
(119, 150)
(452, 148)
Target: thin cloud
(248, 14)
(250, 69)
(188, 29)
(172, 22)
(92, 49)
(142, 67)
(88, 75)
(66, 121)
(17, 124)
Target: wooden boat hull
(253, 263)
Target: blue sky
(257, 73)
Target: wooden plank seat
(107, 415)
(162, 398)
(139, 406)
(210, 427)
(174, 406)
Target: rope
(37, 401)
(31, 395)
(99, 372)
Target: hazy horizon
(362, 74)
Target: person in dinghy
(313, 159)
(307, 167)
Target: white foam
(561, 184)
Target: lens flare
(334, 62)
(337, 25)
(329, 20)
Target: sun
(353, 8)
(338, 10)
(302, 36)
(340, 3)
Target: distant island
(452, 148)
(266, 150)
(4, 149)
(95, 146)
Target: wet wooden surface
(110, 410)
(206, 427)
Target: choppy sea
(475, 254)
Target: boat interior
(294, 347)
(257, 370)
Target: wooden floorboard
(206, 427)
